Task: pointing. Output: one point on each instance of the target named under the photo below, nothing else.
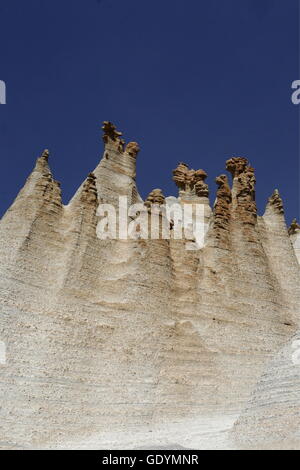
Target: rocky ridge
(153, 341)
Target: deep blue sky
(191, 80)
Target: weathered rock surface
(272, 417)
(294, 232)
(130, 343)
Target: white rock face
(140, 343)
(272, 418)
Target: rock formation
(243, 189)
(294, 228)
(294, 233)
(155, 197)
(126, 343)
(190, 182)
(132, 148)
(222, 212)
(276, 201)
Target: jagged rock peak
(188, 180)
(132, 149)
(89, 189)
(42, 165)
(243, 192)
(180, 175)
(236, 165)
(45, 154)
(246, 183)
(276, 202)
(201, 188)
(224, 191)
(294, 227)
(110, 131)
(155, 197)
(41, 182)
(110, 134)
(222, 209)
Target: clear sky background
(196, 81)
